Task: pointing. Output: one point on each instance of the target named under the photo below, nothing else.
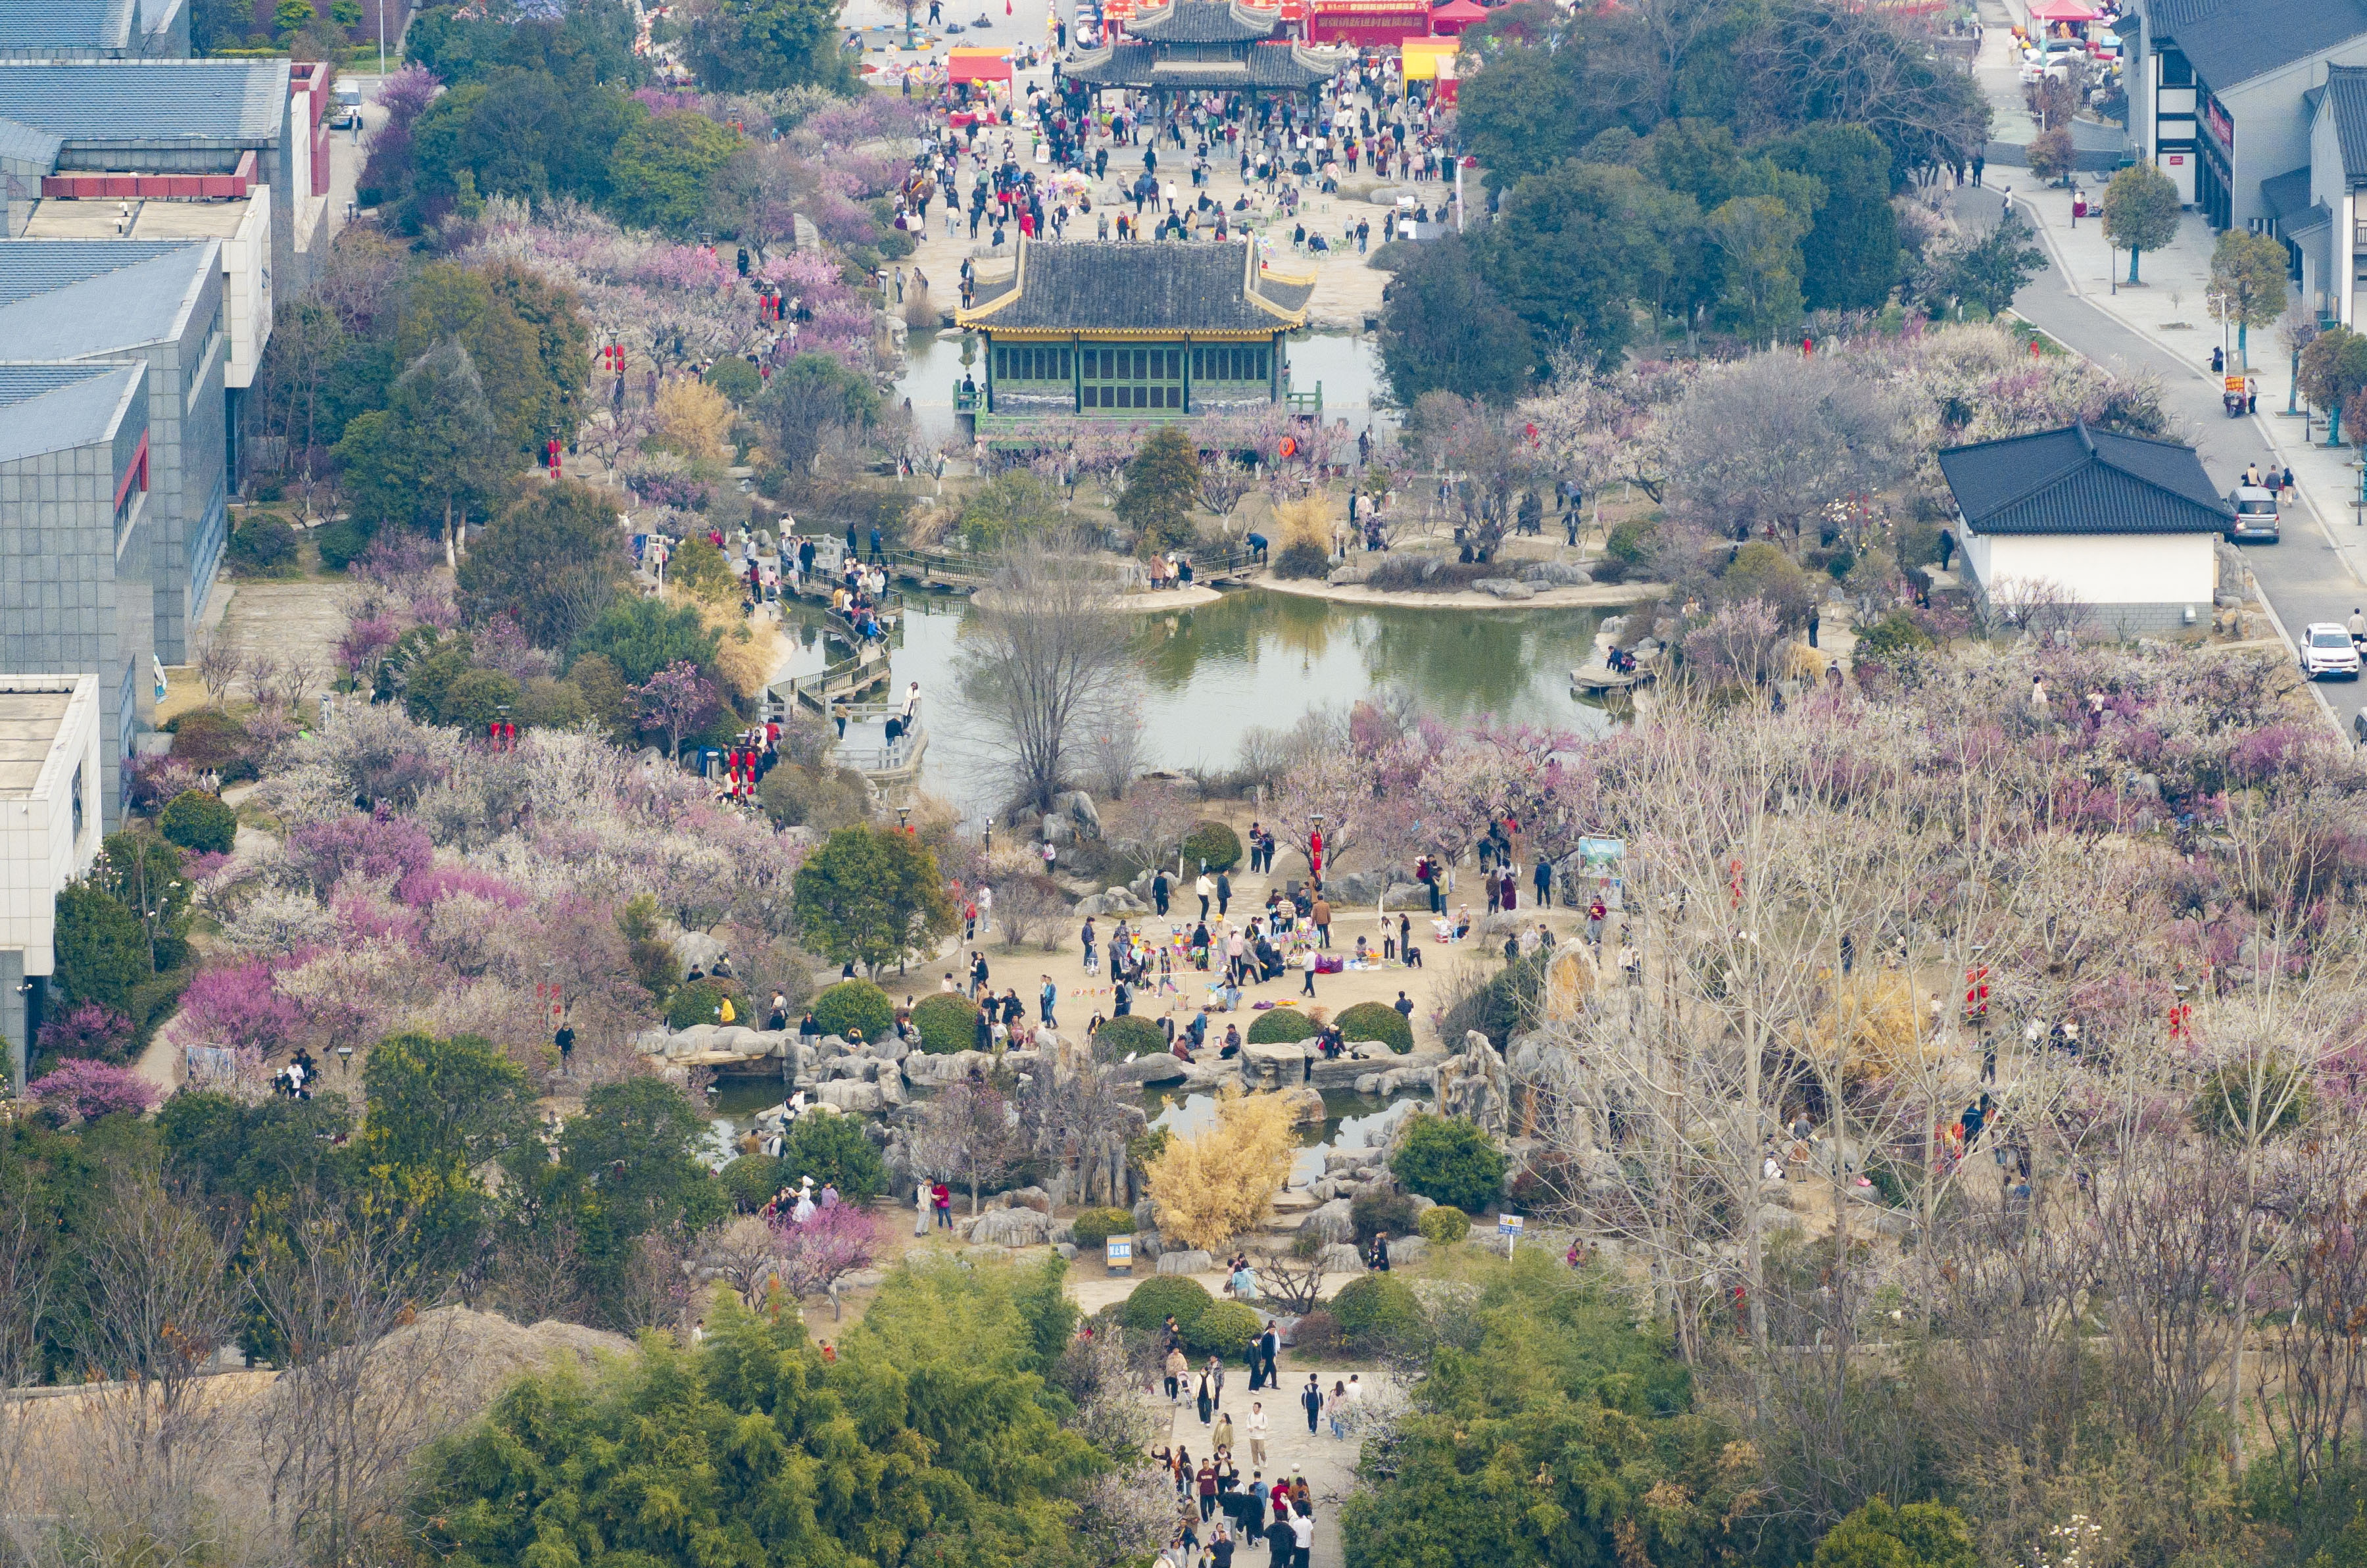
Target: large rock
(1504, 588)
(1507, 922)
(1341, 1258)
(1474, 1083)
(1408, 1249)
(1060, 830)
(1273, 1066)
(1331, 1222)
(1408, 895)
(850, 1095)
(1157, 1067)
(1081, 811)
(1193, 1262)
(1560, 575)
(1306, 1106)
(1012, 1228)
(1348, 573)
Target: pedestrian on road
(1045, 999)
(1176, 1367)
(1310, 961)
(1207, 889)
(1207, 1398)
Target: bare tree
(969, 1133)
(262, 673)
(29, 1281)
(1031, 908)
(217, 660)
(1767, 442)
(340, 1423)
(743, 1254)
(302, 671)
(1048, 657)
(1153, 823)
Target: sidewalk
(2169, 309)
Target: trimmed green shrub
(1096, 1226)
(1445, 1225)
(1374, 1309)
(340, 543)
(1376, 1021)
(478, 699)
(853, 1004)
(947, 1022)
(1162, 1296)
(197, 821)
(1225, 1329)
(700, 1002)
(1449, 1160)
(1121, 1036)
(546, 704)
(1213, 844)
(261, 546)
(1283, 1026)
(752, 1179)
(835, 1153)
(735, 378)
(1372, 1213)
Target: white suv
(2326, 650)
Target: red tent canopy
(1454, 15)
(977, 65)
(2063, 11)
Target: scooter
(2233, 403)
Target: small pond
(1258, 658)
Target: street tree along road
(2304, 579)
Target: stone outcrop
(1193, 1262)
(1473, 1083)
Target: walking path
(2162, 327)
(1328, 1463)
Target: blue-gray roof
(71, 299)
(23, 143)
(2078, 481)
(65, 23)
(2345, 101)
(2234, 41)
(50, 408)
(148, 100)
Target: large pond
(1348, 368)
(1258, 658)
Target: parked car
(2326, 650)
(347, 111)
(2256, 519)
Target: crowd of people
(1059, 160)
(1221, 1512)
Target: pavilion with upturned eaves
(1197, 46)
(1133, 332)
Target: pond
(1258, 658)
(1347, 365)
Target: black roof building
(1196, 45)
(2078, 481)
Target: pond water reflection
(1256, 658)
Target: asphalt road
(2302, 576)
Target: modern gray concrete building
(162, 302)
(94, 29)
(77, 596)
(133, 131)
(2221, 93)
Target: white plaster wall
(39, 851)
(2101, 569)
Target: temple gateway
(1202, 46)
(1133, 332)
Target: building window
(1132, 378)
(1236, 362)
(78, 810)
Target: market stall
(1450, 19)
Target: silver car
(2256, 519)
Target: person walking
(1310, 1399)
(1309, 988)
(942, 1197)
(1221, 1440)
(1322, 914)
(1335, 1409)
(1159, 892)
(1224, 893)
(1207, 888)
(1207, 1398)
(1257, 1425)
(1215, 1375)
(1176, 1368)
(1045, 999)
(1207, 1485)
(1543, 878)
(1302, 1540)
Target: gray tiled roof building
(94, 29)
